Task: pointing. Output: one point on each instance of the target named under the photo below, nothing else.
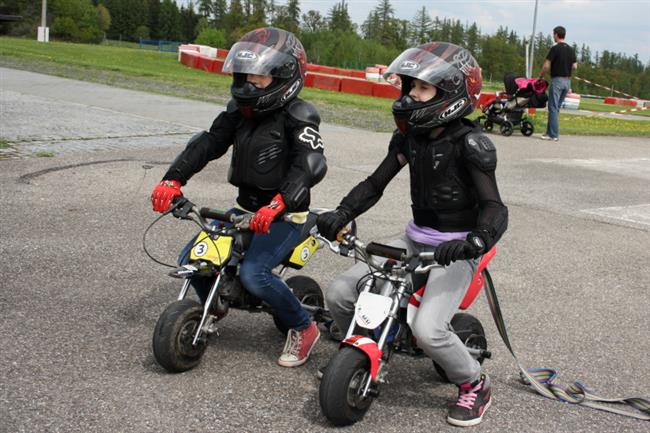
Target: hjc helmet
(266, 51)
(454, 72)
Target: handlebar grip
(214, 214)
(389, 252)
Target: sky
(614, 25)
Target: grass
(44, 154)
(158, 72)
(598, 105)
(4, 144)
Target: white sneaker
(548, 137)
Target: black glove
(451, 251)
(330, 223)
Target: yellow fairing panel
(216, 250)
(303, 252)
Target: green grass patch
(598, 105)
(4, 144)
(44, 154)
(122, 65)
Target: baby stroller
(508, 108)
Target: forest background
(330, 38)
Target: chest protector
(260, 156)
(442, 192)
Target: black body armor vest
(260, 160)
(442, 194)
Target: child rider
(277, 157)
(456, 206)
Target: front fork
(206, 319)
(393, 316)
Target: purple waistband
(429, 236)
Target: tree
(313, 21)
(189, 19)
(103, 18)
(420, 27)
(472, 39)
(288, 17)
(219, 10)
(339, 18)
(75, 20)
(170, 22)
(205, 8)
(212, 37)
(153, 18)
(258, 16)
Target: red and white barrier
(571, 101)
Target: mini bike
(181, 333)
(380, 327)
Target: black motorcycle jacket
(281, 152)
(453, 186)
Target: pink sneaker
(299, 345)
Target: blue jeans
(559, 88)
(265, 252)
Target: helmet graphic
(448, 67)
(266, 51)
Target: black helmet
(454, 72)
(266, 51)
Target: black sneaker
(473, 400)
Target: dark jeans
(266, 252)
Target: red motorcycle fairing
(478, 280)
(474, 288)
(369, 347)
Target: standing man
(560, 61)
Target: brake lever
(182, 208)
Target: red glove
(261, 221)
(164, 193)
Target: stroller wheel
(506, 128)
(527, 128)
(488, 125)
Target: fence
(159, 45)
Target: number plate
(371, 310)
(216, 251)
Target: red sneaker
(299, 345)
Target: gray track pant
(444, 292)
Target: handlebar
(350, 246)
(185, 209)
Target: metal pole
(44, 13)
(531, 59)
(527, 51)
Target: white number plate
(371, 309)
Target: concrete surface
(80, 299)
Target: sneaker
(299, 345)
(473, 400)
(548, 137)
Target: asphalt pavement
(80, 299)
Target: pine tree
(339, 18)
(421, 27)
(170, 23)
(313, 21)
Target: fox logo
(311, 137)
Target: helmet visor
(426, 66)
(258, 59)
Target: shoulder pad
(232, 107)
(480, 151)
(303, 112)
